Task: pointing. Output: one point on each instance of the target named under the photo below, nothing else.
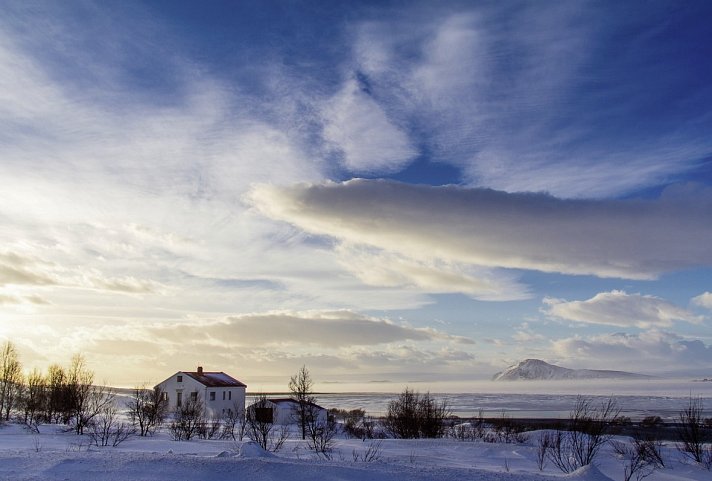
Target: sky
(405, 191)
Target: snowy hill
(535, 369)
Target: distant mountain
(535, 369)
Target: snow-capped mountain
(535, 369)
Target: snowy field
(57, 455)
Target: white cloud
(617, 308)
(626, 238)
(648, 352)
(381, 268)
(703, 300)
(330, 329)
(20, 270)
(359, 127)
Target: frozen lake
(538, 399)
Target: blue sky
(378, 190)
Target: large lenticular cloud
(635, 239)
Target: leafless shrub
(355, 423)
(234, 425)
(707, 457)
(643, 456)
(507, 430)
(691, 431)
(188, 419)
(651, 450)
(414, 416)
(262, 430)
(651, 421)
(210, 428)
(462, 432)
(469, 431)
(542, 450)
(371, 454)
(321, 435)
(107, 429)
(585, 434)
(147, 409)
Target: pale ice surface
(539, 399)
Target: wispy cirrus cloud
(552, 104)
(357, 126)
(618, 308)
(629, 239)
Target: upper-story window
(212, 395)
(223, 395)
(229, 395)
(179, 378)
(194, 396)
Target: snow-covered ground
(57, 455)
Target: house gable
(219, 392)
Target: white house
(283, 411)
(219, 392)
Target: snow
(57, 454)
(535, 369)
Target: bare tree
(691, 430)
(10, 379)
(86, 400)
(432, 415)
(147, 409)
(301, 385)
(402, 416)
(58, 395)
(261, 428)
(235, 425)
(414, 416)
(188, 419)
(33, 400)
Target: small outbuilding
(220, 393)
(284, 411)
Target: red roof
(215, 379)
(289, 400)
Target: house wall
(284, 414)
(234, 396)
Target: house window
(194, 396)
(180, 378)
(264, 415)
(164, 396)
(229, 395)
(179, 399)
(223, 395)
(212, 395)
